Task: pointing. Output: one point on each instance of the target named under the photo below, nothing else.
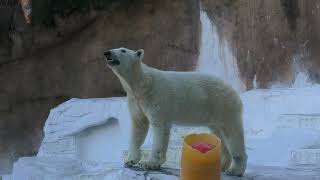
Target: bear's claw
(234, 172)
(147, 165)
(129, 163)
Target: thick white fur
(162, 98)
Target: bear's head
(123, 60)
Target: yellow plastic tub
(196, 165)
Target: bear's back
(185, 82)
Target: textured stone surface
(271, 39)
(75, 124)
(35, 168)
(305, 121)
(72, 65)
(87, 139)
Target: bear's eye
(122, 50)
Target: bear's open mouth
(113, 62)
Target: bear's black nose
(107, 54)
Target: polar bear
(161, 98)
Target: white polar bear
(162, 98)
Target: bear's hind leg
(236, 145)
(225, 154)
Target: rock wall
(55, 68)
(273, 40)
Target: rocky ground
(39, 169)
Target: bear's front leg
(159, 148)
(140, 126)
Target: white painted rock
(87, 130)
(87, 139)
(97, 130)
(35, 168)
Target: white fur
(162, 98)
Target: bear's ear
(139, 54)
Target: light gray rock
(34, 168)
(86, 139)
(87, 129)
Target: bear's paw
(149, 165)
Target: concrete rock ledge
(86, 139)
(46, 168)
